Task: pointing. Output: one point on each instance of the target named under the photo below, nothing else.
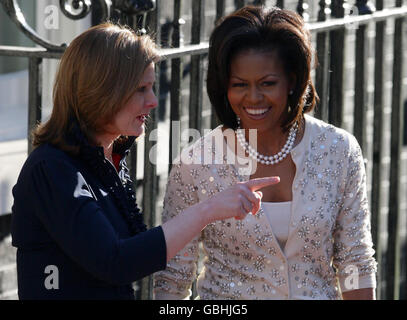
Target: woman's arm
(353, 255)
(360, 294)
(236, 202)
(76, 223)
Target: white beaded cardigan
(329, 248)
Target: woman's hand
(238, 200)
(360, 294)
(235, 201)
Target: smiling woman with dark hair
(74, 212)
(311, 238)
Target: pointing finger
(259, 183)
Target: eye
(269, 83)
(141, 89)
(238, 84)
(145, 87)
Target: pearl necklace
(273, 159)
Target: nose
(254, 94)
(152, 100)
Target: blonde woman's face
(130, 120)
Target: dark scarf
(119, 185)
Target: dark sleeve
(77, 224)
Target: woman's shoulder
(50, 156)
(202, 149)
(321, 131)
(47, 151)
(44, 162)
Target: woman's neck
(106, 141)
(268, 142)
(271, 142)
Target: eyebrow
(146, 82)
(267, 75)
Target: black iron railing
(330, 32)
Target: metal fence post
(197, 72)
(337, 47)
(377, 149)
(34, 96)
(393, 251)
(176, 78)
(150, 178)
(322, 72)
(360, 98)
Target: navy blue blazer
(77, 233)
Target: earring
(291, 92)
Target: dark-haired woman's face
(258, 89)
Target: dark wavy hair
(267, 30)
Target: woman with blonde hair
(75, 222)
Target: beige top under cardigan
(329, 238)
(278, 216)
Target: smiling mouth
(257, 112)
(142, 117)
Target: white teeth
(256, 111)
